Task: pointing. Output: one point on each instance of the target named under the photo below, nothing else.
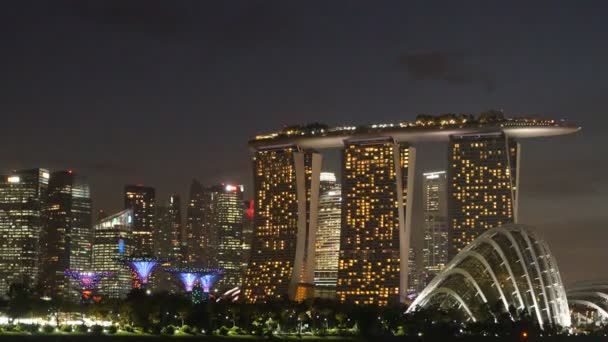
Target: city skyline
(80, 96)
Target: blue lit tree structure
(88, 282)
(187, 275)
(208, 278)
(141, 269)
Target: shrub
(234, 331)
(65, 328)
(47, 329)
(9, 327)
(186, 329)
(81, 328)
(29, 328)
(128, 328)
(111, 330)
(96, 329)
(223, 331)
(168, 330)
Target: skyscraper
(228, 219)
(113, 240)
(168, 235)
(168, 240)
(376, 216)
(434, 201)
(327, 247)
(142, 201)
(414, 284)
(22, 195)
(66, 241)
(248, 215)
(286, 188)
(482, 185)
(327, 181)
(201, 235)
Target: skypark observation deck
(322, 137)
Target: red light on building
(70, 171)
(250, 210)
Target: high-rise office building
(67, 237)
(168, 240)
(327, 180)
(228, 219)
(168, 235)
(22, 195)
(482, 185)
(142, 200)
(248, 215)
(113, 240)
(201, 234)
(414, 283)
(434, 201)
(286, 188)
(327, 247)
(376, 219)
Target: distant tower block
(482, 186)
(376, 219)
(286, 188)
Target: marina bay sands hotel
(378, 164)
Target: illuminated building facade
(22, 195)
(228, 219)
(376, 217)
(327, 246)
(67, 237)
(201, 235)
(248, 215)
(482, 185)
(327, 180)
(142, 200)
(434, 201)
(168, 236)
(414, 277)
(286, 186)
(168, 240)
(113, 241)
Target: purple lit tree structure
(141, 269)
(208, 278)
(88, 282)
(187, 275)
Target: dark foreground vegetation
(164, 315)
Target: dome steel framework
(504, 268)
(589, 302)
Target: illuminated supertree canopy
(187, 275)
(209, 277)
(142, 267)
(87, 280)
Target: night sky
(160, 92)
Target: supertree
(208, 278)
(187, 275)
(88, 282)
(141, 269)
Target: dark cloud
(451, 67)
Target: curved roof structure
(505, 267)
(440, 128)
(591, 299)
